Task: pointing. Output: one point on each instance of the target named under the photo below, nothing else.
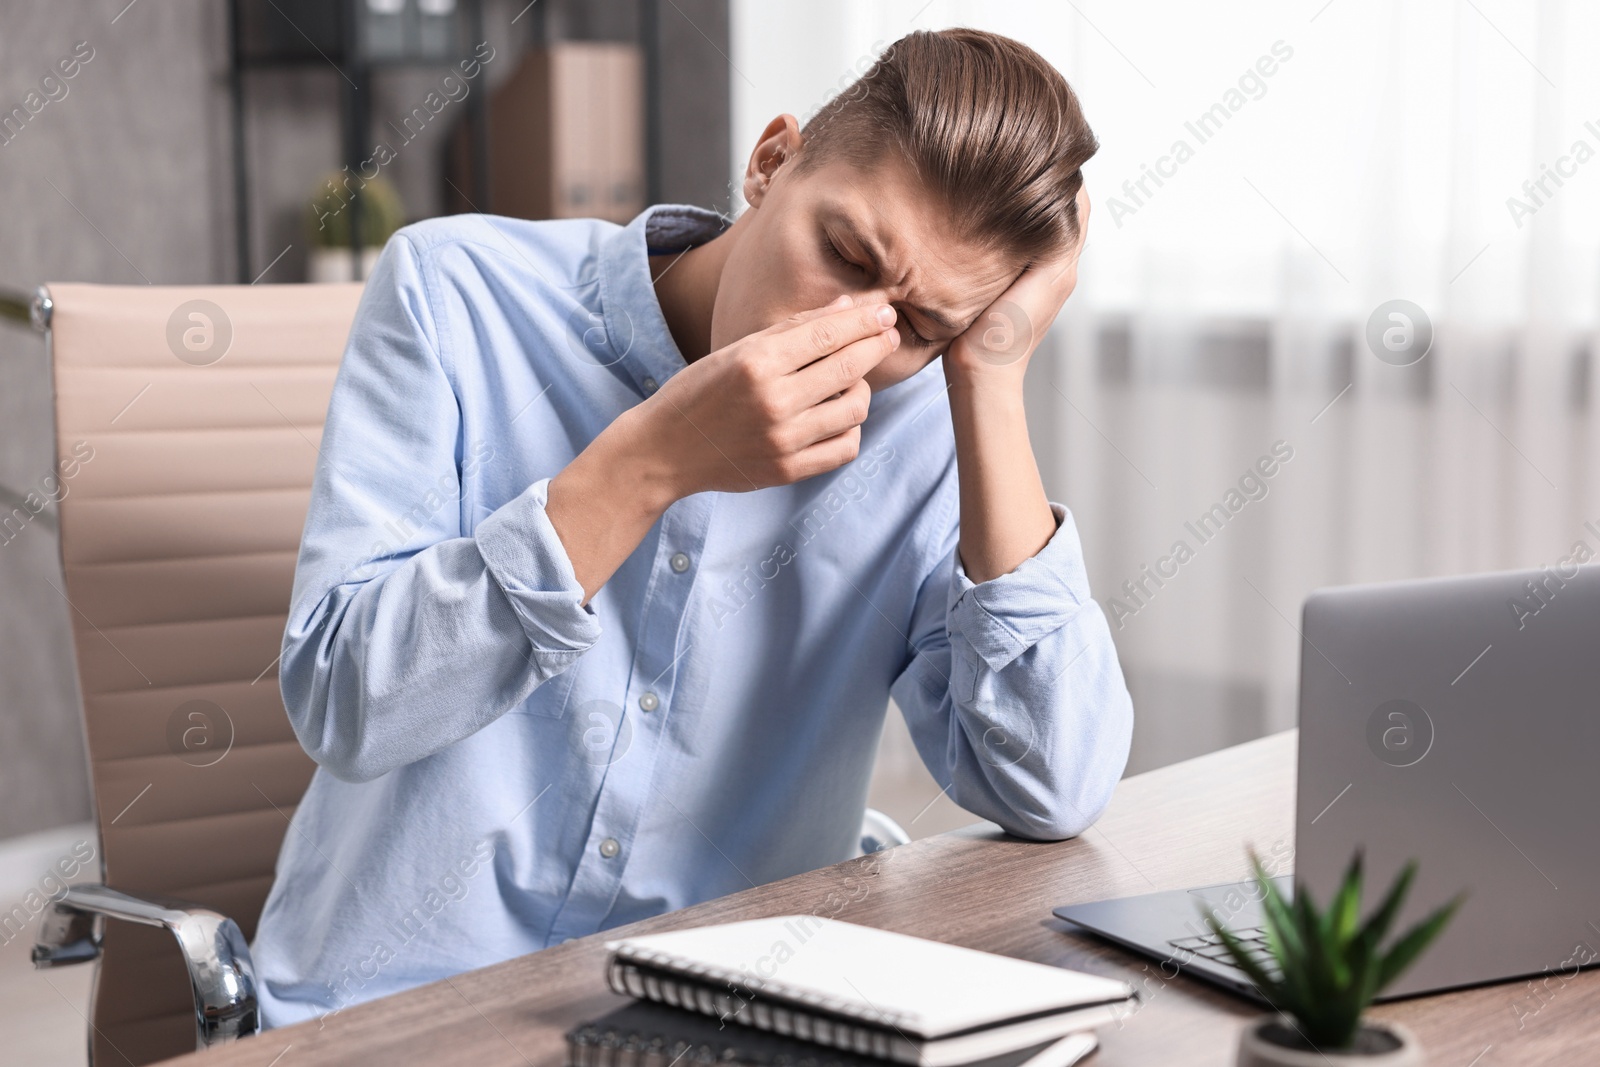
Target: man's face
(876, 234)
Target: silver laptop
(1455, 721)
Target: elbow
(1038, 803)
(331, 735)
(1055, 800)
(344, 761)
(345, 764)
(1059, 817)
(344, 757)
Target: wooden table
(1180, 826)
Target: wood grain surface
(1179, 826)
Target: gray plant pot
(1273, 1041)
(326, 265)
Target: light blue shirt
(502, 768)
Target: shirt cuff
(1005, 616)
(526, 558)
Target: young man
(623, 537)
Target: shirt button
(649, 702)
(651, 385)
(609, 848)
(680, 562)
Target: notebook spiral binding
(742, 998)
(598, 1045)
(608, 1046)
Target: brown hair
(987, 123)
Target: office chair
(187, 422)
(187, 426)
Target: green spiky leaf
(1327, 965)
(1377, 927)
(1264, 983)
(1410, 946)
(1345, 911)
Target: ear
(780, 142)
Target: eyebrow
(943, 321)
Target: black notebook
(653, 1035)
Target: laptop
(1455, 721)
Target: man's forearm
(1005, 515)
(1022, 681)
(604, 502)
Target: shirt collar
(635, 325)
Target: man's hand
(778, 406)
(772, 408)
(999, 341)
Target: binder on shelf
(566, 136)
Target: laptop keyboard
(1210, 946)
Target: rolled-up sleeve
(1014, 695)
(406, 635)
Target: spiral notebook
(643, 1034)
(867, 991)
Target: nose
(876, 294)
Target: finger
(824, 335)
(827, 455)
(1061, 272)
(1063, 267)
(833, 416)
(822, 378)
(1034, 289)
(844, 300)
(1080, 205)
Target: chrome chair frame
(879, 832)
(221, 973)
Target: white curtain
(1271, 174)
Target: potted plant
(328, 224)
(1324, 969)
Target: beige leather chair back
(187, 426)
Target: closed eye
(907, 331)
(832, 250)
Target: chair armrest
(221, 973)
(879, 832)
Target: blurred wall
(124, 179)
(1380, 152)
(127, 179)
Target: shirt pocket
(549, 700)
